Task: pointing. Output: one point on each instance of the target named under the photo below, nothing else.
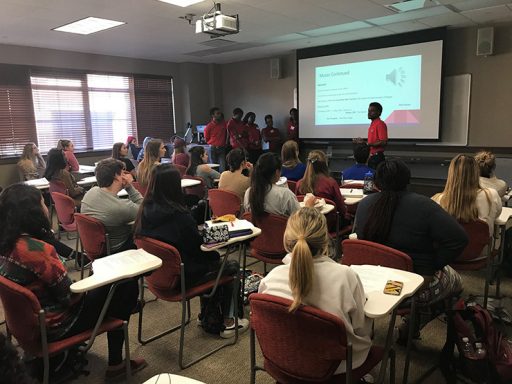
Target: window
(93, 111)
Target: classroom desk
(324, 209)
(189, 183)
(117, 267)
(352, 195)
(378, 304)
(213, 165)
(86, 169)
(89, 180)
(168, 378)
(38, 183)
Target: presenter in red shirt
(293, 125)
(215, 135)
(271, 135)
(253, 137)
(238, 135)
(377, 135)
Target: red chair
(360, 252)
(224, 202)
(65, 208)
(142, 190)
(55, 186)
(94, 237)
(268, 247)
(26, 321)
(181, 169)
(292, 186)
(471, 258)
(197, 190)
(305, 346)
(168, 283)
(353, 185)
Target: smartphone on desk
(393, 287)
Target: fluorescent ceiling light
(182, 3)
(411, 5)
(89, 25)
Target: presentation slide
(335, 91)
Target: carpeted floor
(231, 365)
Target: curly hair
(21, 212)
(486, 162)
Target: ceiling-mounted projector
(216, 24)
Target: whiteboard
(455, 111)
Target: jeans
(219, 157)
(376, 159)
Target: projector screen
(334, 92)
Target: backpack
(493, 362)
(212, 319)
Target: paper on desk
(374, 278)
(36, 182)
(125, 260)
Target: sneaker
(119, 372)
(199, 320)
(243, 325)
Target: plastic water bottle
(341, 177)
(467, 348)
(480, 352)
(368, 183)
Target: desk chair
(66, 209)
(55, 186)
(168, 283)
(142, 190)
(197, 190)
(224, 202)
(305, 346)
(26, 321)
(94, 237)
(292, 185)
(471, 258)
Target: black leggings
(121, 306)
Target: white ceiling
(268, 27)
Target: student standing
(253, 137)
(293, 125)
(215, 134)
(238, 135)
(377, 135)
(271, 135)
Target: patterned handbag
(215, 234)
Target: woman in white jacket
(310, 277)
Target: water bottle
(467, 348)
(368, 183)
(480, 351)
(341, 178)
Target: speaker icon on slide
(397, 76)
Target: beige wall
(248, 85)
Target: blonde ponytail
(305, 237)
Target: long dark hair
(261, 182)
(164, 189)
(196, 154)
(391, 177)
(21, 212)
(116, 150)
(54, 163)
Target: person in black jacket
(164, 216)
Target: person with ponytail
(264, 196)
(417, 226)
(309, 276)
(487, 163)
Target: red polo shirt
(238, 135)
(215, 133)
(293, 131)
(377, 131)
(254, 136)
(272, 136)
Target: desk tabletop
(119, 266)
(352, 192)
(86, 168)
(168, 378)
(506, 214)
(324, 209)
(189, 183)
(374, 279)
(213, 165)
(41, 183)
(87, 180)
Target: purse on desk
(215, 234)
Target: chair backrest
(332, 217)
(181, 169)
(21, 310)
(65, 207)
(142, 190)
(197, 190)
(359, 252)
(353, 185)
(270, 242)
(167, 277)
(58, 186)
(292, 185)
(224, 202)
(93, 236)
(479, 238)
(308, 344)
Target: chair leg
(127, 352)
(252, 346)
(392, 372)
(409, 339)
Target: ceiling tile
(405, 26)
(447, 19)
(477, 4)
(486, 15)
(411, 15)
(337, 28)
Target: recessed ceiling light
(182, 3)
(89, 25)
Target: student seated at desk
(133, 148)
(264, 196)
(102, 203)
(31, 165)
(292, 168)
(309, 276)
(56, 171)
(33, 263)
(198, 166)
(417, 226)
(360, 168)
(69, 148)
(487, 163)
(179, 155)
(164, 216)
(153, 152)
(317, 181)
(464, 198)
(120, 152)
(235, 179)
